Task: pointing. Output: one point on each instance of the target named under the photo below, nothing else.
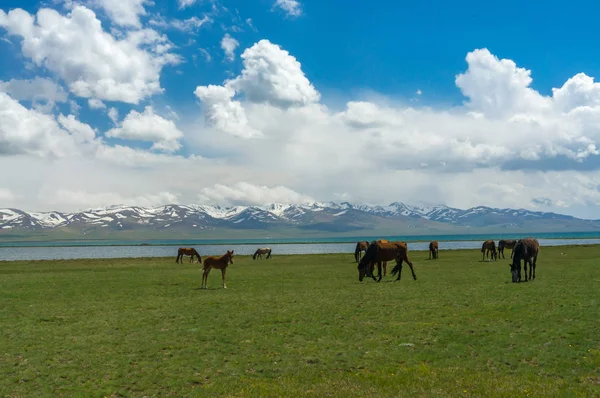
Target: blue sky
(401, 91)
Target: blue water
(102, 251)
(271, 241)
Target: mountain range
(318, 219)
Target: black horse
(527, 250)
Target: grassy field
(301, 326)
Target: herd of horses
(379, 252)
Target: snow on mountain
(214, 216)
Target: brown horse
(527, 250)
(384, 264)
(379, 252)
(361, 246)
(506, 244)
(489, 246)
(433, 249)
(217, 263)
(187, 251)
(259, 252)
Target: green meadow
(301, 325)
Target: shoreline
(170, 258)
(228, 242)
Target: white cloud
(96, 104)
(244, 193)
(123, 12)
(272, 75)
(113, 115)
(185, 3)
(292, 8)
(92, 62)
(42, 92)
(148, 126)
(229, 44)
(185, 25)
(497, 87)
(223, 113)
(26, 131)
(81, 199)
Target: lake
(52, 252)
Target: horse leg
(411, 267)
(205, 278)
(379, 271)
(223, 276)
(385, 268)
(399, 267)
(177, 259)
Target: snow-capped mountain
(319, 216)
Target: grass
(301, 326)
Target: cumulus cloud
(26, 131)
(273, 76)
(148, 126)
(92, 62)
(292, 8)
(229, 44)
(96, 104)
(225, 114)
(244, 193)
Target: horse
(187, 251)
(506, 244)
(259, 252)
(433, 249)
(527, 250)
(489, 246)
(372, 266)
(379, 252)
(217, 263)
(361, 246)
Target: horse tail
(483, 247)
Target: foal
(217, 263)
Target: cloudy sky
(289, 101)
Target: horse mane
(369, 255)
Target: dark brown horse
(187, 251)
(259, 252)
(527, 250)
(217, 263)
(384, 264)
(433, 249)
(379, 252)
(360, 247)
(506, 244)
(489, 246)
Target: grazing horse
(217, 263)
(259, 252)
(360, 247)
(372, 266)
(379, 252)
(489, 246)
(187, 251)
(506, 244)
(433, 249)
(527, 250)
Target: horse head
(230, 256)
